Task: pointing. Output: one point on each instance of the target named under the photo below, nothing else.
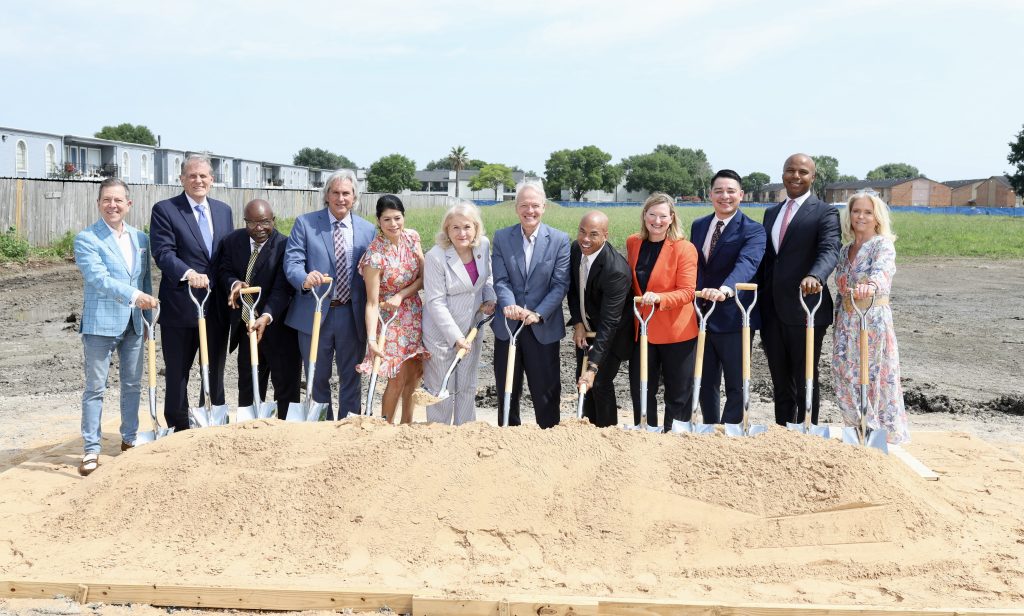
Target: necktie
(714, 238)
(785, 220)
(584, 273)
(341, 282)
(204, 229)
(247, 299)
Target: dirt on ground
(675, 516)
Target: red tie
(785, 220)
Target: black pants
(280, 363)
(599, 405)
(723, 354)
(179, 346)
(672, 362)
(784, 348)
(541, 365)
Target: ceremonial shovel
(861, 434)
(258, 409)
(157, 432)
(210, 414)
(307, 410)
(745, 429)
(698, 373)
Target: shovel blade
(219, 415)
(703, 429)
(142, 438)
(245, 413)
(162, 432)
(821, 431)
(795, 427)
(756, 429)
(679, 427)
(851, 436)
(879, 440)
(266, 410)
(296, 412)
(197, 418)
(732, 429)
(317, 412)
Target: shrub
(13, 247)
(64, 248)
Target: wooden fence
(42, 211)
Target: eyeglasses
(252, 224)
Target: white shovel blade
(245, 413)
(296, 412)
(267, 410)
(219, 415)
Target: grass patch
(920, 235)
(13, 247)
(63, 249)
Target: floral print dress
(399, 266)
(874, 262)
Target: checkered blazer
(109, 285)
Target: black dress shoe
(126, 446)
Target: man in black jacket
(253, 257)
(600, 304)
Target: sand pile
(480, 510)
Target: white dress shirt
(777, 227)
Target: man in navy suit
(254, 257)
(330, 242)
(803, 248)
(530, 262)
(729, 250)
(186, 233)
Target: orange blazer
(674, 278)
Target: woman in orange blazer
(664, 265)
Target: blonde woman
(867, 263)
(456, 282)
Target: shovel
(422, 396)
(583, 369)
(157, 432)
(807, 427)
(510, 364)
(258, 409)
(377, 359)
(307, 410)
(210, 414)
(862, 435)
(698, 372)
(643, 425)
(745, 429)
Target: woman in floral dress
(867, 263)
(393, 270)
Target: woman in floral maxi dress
(867, 263)
(393, 270)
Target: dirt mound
(573, 509)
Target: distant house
(619, 195)
(995, 191)
(93, 157)
(442, 182)
(247, 173)
(770, 193)
(28, 154)
(904, 191)
(167, 168)
(285, 176)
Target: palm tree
(459, 158)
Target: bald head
(259, 220)
(593, 232)
(798, 175)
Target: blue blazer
(541, 289)
(311, 247)
(109, 281)
(737, 256)
(178, 247)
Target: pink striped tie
(785, 220)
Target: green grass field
(920, 235)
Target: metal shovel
(368, 407)
(423, 396)
(510, 364)
(698, 372)
(149, 327)
(745, 428)
(307, 410)
(210, 414)
(258, 409)
(862, 435)
(643, 425)
(583, 369)
(807, 427)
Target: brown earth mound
(479, 511)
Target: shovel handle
(314, 338)
(809, 353)
(510, 365)
(746, 353)
(151, 358)
(643, 357)
(746, 286)
(698, 364)
(863, 356)
(250, 290)
(254, 359)
(204, 355)
(470, 337)
(376, 358)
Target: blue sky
(934, 83)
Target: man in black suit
(185, 235)
(802, 251)
(599, 302)
(254, 257)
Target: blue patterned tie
(341, 282)
(204, 229)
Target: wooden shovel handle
(250, 290)
(746, 286)
(863, 356)
(698, 364)
(254, 358)
(746, 353)
(151, 357)
(204, 354)
(470, 337)
(809, 353)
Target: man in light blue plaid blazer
(113, 257)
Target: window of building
(21, 157)
(144, 169)
(126, 170)
(176, 171)
(51, 159)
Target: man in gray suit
(530, 263)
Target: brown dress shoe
(126, 446)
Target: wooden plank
(560, 606)
(915, 465)
(667, 608)
(212, 597)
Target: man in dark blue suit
(530, 262)
(254, 257)
(186, 233)
(803, 248)
(330, 242)
(730, 247)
